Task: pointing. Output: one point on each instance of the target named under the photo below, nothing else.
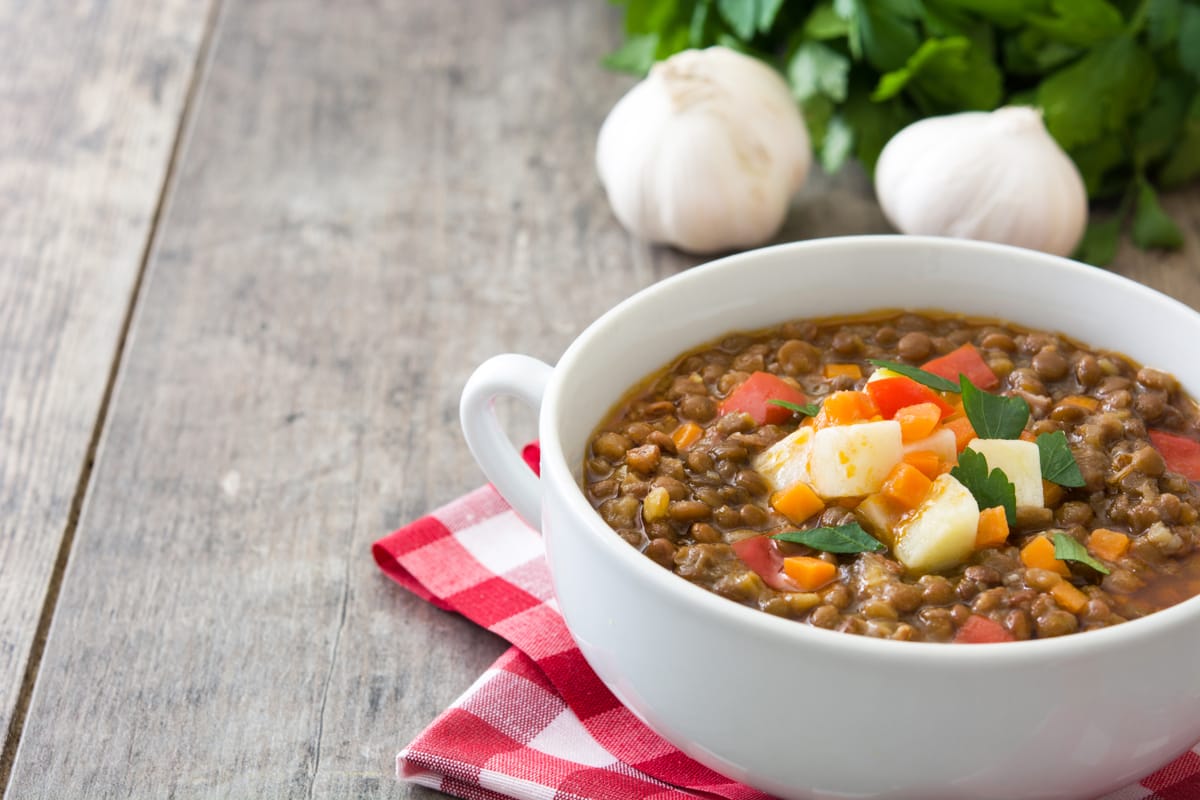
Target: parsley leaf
(635, 56)
(818, 69)
(889, 31)
(1163, 19)
(1189, 40)
(808, 409)
(936, 382)
(837, 144)
(1116, 80)
(1058, 464)
(1151, 225)
(741, 16)
(1100, 241)
(993, 416)
(1097, 94)
(1159, 128)
(850, 538)
(1184, 164)
(747, 17)
(824, 23)
(1067, 549)
(1082, 23)
(990, 489)
(944, 74)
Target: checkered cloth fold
(539, 724)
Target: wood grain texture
(90, 100)
(1178, 273)
(373, 199)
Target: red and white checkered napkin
(539, 724)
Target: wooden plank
(90, 101)
(394, 196)
(1177, 273)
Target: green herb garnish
(1067, 549)
(850, 538)
(993, 416)
(1116, 82)
(1058, 464)
(807, 410)
(919, 375)
(990, 489)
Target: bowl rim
(559, 474)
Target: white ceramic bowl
(802, 712)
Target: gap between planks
(16, 724)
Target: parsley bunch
(1118, 81)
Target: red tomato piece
(761, 554)
(964, 361)
(981, 630)
(892, 394)
(1181, 453)
(753, 395)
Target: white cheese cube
(942, 442)
(786, 462)
(1020, 461)
(854, 460)
(940, 533)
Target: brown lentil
(714, 498)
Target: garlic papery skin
(997, 176)
(705, 153)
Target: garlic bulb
(705, 153)
(996, 176)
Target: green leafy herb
(990, 489)
(1151, 225)
(1058, 464)
(1100, 241)
(919, 375)
(1067, 549)
(1117, 81)
(850, 538)
(993, 416)
(807, 410)
(816, 69)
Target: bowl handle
(505, 375)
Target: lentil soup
(1041, 488)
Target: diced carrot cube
(963, 432)
(928, 462)
(1027, 436)
(993, 528)
(906, 486)
(809, 573)
(1052, 493)
(1039, 554)
(797, 502)
(1107, 544)
(918, 421)
(840, 370)
(1069, 597)
(844, 408)
(686, 435)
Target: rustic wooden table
(249, 253)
